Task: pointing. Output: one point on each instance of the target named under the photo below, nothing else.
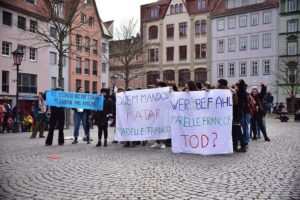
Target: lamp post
(17, 56)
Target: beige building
(175, 35)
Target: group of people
(249, 111)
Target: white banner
(143, 115)
(202, 122)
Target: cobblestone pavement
(29, 170)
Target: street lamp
(17, 56)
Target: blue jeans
(78, 118)
(245, 122)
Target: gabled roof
(107, 29)
(221, 9)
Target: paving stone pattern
(31, 171)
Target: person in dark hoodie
(101, 117)
(57, 117)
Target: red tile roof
(220, 10)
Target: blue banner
(74, 100)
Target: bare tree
(289, 80)
(126, 50)
(64, 16)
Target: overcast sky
(121, 11)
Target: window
(53, 32)
(153, 55)
(53, 58)
(32, 54)
(152, 77)
(266, 67)
(153, 32)
(87, 44)
(201, 4)
(176, 8)
(87, 86)
(95, 67)
(182, 29)
(180, 8)
(203, 26)
(292, 25)
(89, 2)
(5, 81)
(231, 70)
(220, 24)
(95, 46)
(91, 21)
(182, 53)
(53, 82)
(197, 27)
(169, 75)
(243, 43)
(172, 9)
(267, 40)
(254, 19)
(64, 60)
(22, 22)
(78, 65)
(82, 18)
(267, 17)
(254, 68)
(28, 83)
(23, 50)
(230, 4)
(184, 76)
(103, 67)
(170, 31)
(243, 69)
(197, 51)
(231, 23)
(59, 8)
(291, 5)
(6, 48)
(86, 66)
(243, 21)
(292, 48)
(220, 70)
(254, 41)
(231, 44)
(78, 83)
(7, 18)
(33, 26)
(31, 1)
(220, 46)
(170, 53)
(78, 42)
(104, 47)
(200, 75)
(203, 50)
(95, 90)
(154, 12)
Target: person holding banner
(57, 117)
(101, 117)
(81, 115)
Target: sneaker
(75, 142)
(163, 146)
(155, 145)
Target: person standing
(101, 117)
(57, 118)
(39, 112)
(81, 115)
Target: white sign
(202, 122)
(143, 115)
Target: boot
(88, 139)
(75, 141)
(98, 144)
(105, 142)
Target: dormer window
(58, 8)
(154, 12)
(201, 4)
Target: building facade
(289, 46)
(19, 21)
(107, 36)
(245, 42)
(175, 36)
(85, 54)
